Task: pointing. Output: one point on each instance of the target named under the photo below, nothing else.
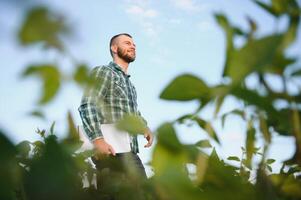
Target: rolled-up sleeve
(90, 109)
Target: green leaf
(270, 161)
(291, 187)
(206, 126)
(52, 128)
(41, 132)
(269, 168)
(38, 114)
(185, 87)
(254, 56)
(72, 142)
(297, 73)
(38, 147)
(81, 75)
(51, 78)
(294, 169)
(250, 144)
(279, 64)
(219, 103)
(54, 174)
(264, 129)
(9, 169)
(267, 8)
(253, 98)
(275, 120)
(41, 25)
(238, 112)
(234, 158)
(73, 132)
(133, 124)
(203, 144)
(167, 138)
(224, 179)
(253, 27)
(224, 23)
(24, 148)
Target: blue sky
(172, 37)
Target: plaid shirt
(108, 100)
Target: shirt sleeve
(143, 119)
(90, 109)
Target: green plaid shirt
(108, 100)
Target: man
(111, 97)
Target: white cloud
(138, 2)
(190, 5)
(144, 16)
(141, 12)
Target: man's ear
(114, 49)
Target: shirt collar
(115, 66)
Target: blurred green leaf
(38, 147)
(234, 158)
(250, 144)
(297, 73)
(206, 126)
(185, 87)
(176, 185)
(53, 175)
(24, 148)
(253, 27)
(255, 55)
(264, 129)
(133, 124)
(282, 127)
(291, 187)
(224, 23)
(219, 103)
(269, 168)
(224, 179)
(81, 75)
(238, 112)
(270, 161)
(264, 187)
(38, 114)
(51, 77)
(9, 172)
(203, 144)
(73, 132)
(294, 169)
(72, 142)
(41, 25)
(167, 137)
(41, 132)
(253, 98)
(267, 8)
(201, 164)
(279, 64)
(52, 128)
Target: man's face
(126, 48)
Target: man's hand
(103, 148)
(149, 137)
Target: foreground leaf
(51, 78)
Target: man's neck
(124, 65)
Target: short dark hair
(112, 41)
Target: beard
(126, 56)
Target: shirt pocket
(119, 90)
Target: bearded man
(111, 97)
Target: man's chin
(130, 59)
